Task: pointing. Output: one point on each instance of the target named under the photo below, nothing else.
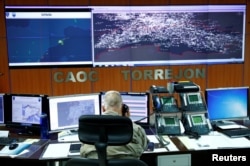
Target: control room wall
(42, 80)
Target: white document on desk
(169, 147)
(214, 141)
(152, 138)
(56, 150)
(4, 133)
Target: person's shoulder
(137, 127)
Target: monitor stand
(224, 122)
(68, 136)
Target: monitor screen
(138, 104)
(64, 111)
(194, 98)
(167, 100)
(197, 119)
(168, 35)
(227, 103)
(170, 121)
(1, 108)
(24, 111)
(48, 35)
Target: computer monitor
(138, 104)
(64, 111)
(23, 112)
(230, 103)
(2, 109)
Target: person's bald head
(112, 101)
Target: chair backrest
(101, 131)
(108, 129)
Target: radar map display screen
(48, 35)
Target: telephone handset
(196, 123)
(165, 104)
(158, 89)
(169, 125)
(125, 109)
(192, 102)
(156, 103)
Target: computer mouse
(13, 146)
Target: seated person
(113, 106)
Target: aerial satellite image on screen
(167, 36)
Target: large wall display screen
(168, 35)
(40, 36)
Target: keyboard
(7, 140)
(234, 133)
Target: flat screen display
(138, 104)
(168, 35)
(228, 103)
(48, 35)
(1, 108)
(26, 109)
(64, 111)
(23, 111)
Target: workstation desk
(186, 157)
(29, 158)
(183, 157)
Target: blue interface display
(227, 103)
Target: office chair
(101, 131)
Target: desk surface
(198, 156)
